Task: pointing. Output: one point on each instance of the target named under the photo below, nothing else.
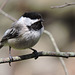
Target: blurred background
(60, 22)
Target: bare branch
(57, 50)
(4, 3)
(62, 6)
(8, 16)
(42, 53)
(4, 13)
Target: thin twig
(64, 5)
(4, 3)
(42, 53)
(57, 50)
(8, 16)
(4, 13)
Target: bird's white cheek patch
(27, 21)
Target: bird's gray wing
(10, 33)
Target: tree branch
(64, 5)
(57, 50)
(4, 3)
(8, 16)
(42, 53)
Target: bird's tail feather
(1, 45)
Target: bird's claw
(35, 53)
(11, 59)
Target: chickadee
(24, 33)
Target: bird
(24, 33)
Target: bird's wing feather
(10, 33)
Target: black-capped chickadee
(24, 33)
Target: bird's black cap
(32, 15)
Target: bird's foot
(11, 59)
(35, 53)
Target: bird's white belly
(23, 43)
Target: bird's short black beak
(42, 20)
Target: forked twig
(64, 5)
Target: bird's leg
(10, 57)
(35, 52)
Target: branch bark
(42, 53)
